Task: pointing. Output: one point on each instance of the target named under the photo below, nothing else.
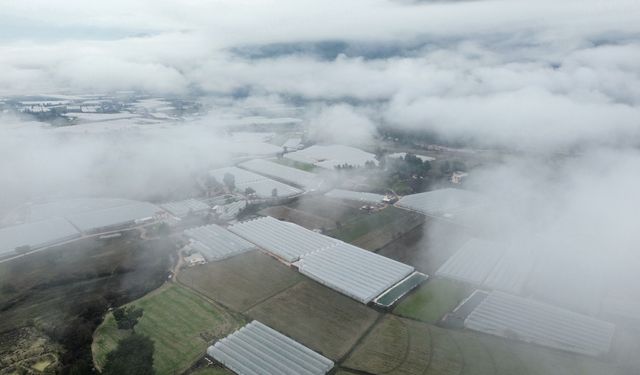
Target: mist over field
(553, 88)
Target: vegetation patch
(180, 323)
(431, 301)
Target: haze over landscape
(499, 141)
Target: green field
(241, 281)
(432, 300)
(374, 230)
(180, 323)
(401, 346)
(211, 371)
(318, 317)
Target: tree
(249, 191)
(274, 192)
(127, 317)
(133, 355)
(230, 181)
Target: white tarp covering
(217, 243)
(184, 207)
(307, 180)
(287, 241)
(35, 235)
(444, 203)
(357, 273)
(263, 186)
(514, 317)
(331, 156)
(257, 349)
(473, 262)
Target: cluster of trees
(406, 175)
(127, 317)
(132, 356)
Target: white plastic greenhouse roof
(511, 272)
(440, 203)
(256, 349)
(330, 156)
(112, 216)
(182, 208)
(355, 196)
(263, 186)
(216, 243)
(295, 176)
(36, 234)
(473, 262)
(510, 316)
(357, 273)
(287, 241)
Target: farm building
(263, 186)
(332, 156)
(357, 196)
(256, 349)
(293, 176)
(355, 272)
(524, 319)
(217, 243)
(35, 235)
(443, 203)
(285, 240)
(511, 272)
(185, 207)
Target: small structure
(257, 349)
(457, 176)
(194, 259)
(292, 144)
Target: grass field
(375, 230)
(180, 323)
(432, 300)
(401, 346)
(317, 317)
(211, 371)
(241, 281)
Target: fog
(554, 85)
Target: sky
(540, 77)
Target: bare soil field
(304, 219)
(241, 281)
(317, 317)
